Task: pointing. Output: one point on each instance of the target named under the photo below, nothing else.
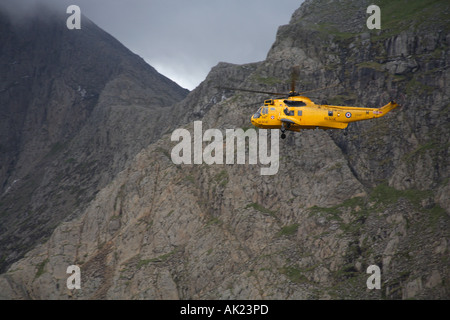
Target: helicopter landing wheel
(283, 130)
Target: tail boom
(369, 113)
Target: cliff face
(338, 204)
(75, 106)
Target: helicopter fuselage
(298, 112)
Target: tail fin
(387, 108)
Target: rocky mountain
(76, 106)
(337, 205)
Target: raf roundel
(348, 115)
(272, 117)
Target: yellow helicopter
(296, 112)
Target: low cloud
(182, 39)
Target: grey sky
(184, 39)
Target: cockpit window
(265, 110)
(257, 114)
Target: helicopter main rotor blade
(313, 90)
(254, 91)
